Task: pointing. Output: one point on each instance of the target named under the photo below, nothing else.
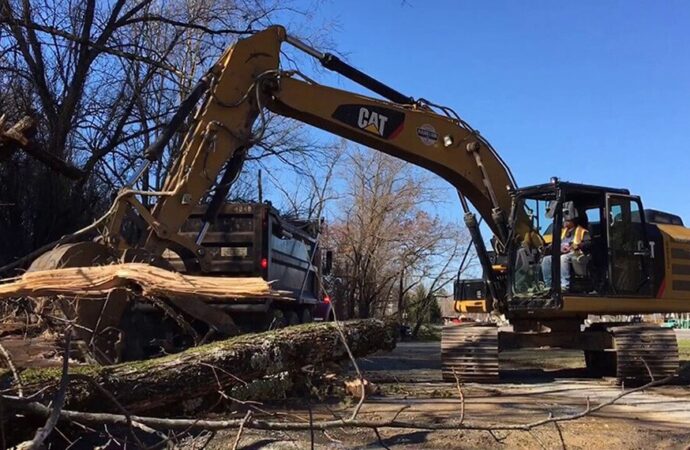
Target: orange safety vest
(579, 234)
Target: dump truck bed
(252, 239)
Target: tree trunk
(421, 317)
(401, 292)
(351, 302)
(181, 381)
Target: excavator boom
(248, 78)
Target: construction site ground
(534, 384)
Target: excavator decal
(427, 134)
(383, 122)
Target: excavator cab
(616, 254)
(600, 233)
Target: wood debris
(97, 281)
(354, 387)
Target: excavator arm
(247, 79)
(418, 135)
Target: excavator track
(470, 352)
(644, 352)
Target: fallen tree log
(166, 384)
(97, 297)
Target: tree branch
(189, 25)
(76, 39)
(260, 424)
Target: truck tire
(307, 316)
(292, 317)
(275, 319)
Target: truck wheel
(291, 317)
(306, 316)
(275, 319)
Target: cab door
(628, 247)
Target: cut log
(178, 382)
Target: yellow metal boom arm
(247, 78)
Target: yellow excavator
(638, 260)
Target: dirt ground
(534, 384)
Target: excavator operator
(575, 248)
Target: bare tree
(306, 192)
(434, 276)
(385, 243)
(101, 78)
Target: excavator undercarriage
(632, 353)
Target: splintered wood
(96, 281)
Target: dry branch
(182, 380)
(20, 136)
(15, 137)
(152, 281)
(262, 424)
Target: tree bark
(179, 382)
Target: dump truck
(250, 239)
(246, 240)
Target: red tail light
(264, 263)
(327, 300)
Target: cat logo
(372, 121)
(382, 122)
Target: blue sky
(591, 91)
